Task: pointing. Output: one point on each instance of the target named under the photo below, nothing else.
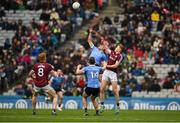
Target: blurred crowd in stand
(149, 30)
(57, 23)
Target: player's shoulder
(117, 54)
(99, 67)
(94, 47)
(85, 68)
(35, 65)
(48, 65)
(96, 67)
(121, 55)
(89, 67)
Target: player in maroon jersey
(42, 70)
(110, 75)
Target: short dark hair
(91, 60)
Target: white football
(75, 5)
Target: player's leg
(102, 94)
(84, 100)
(177, 87)
(115, 89)
(116, 93)
(60, 94)
(34, 95)
(95, 94)
(35, 91)
(53, 94)
(100, 79)
(102, 89)
(95, 104)
(100, 76)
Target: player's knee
(84, 95)
(53, 94)
(93, 99)
(60, 97)
(34, 94)
(102, 90)
(115, 90)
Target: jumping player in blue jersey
(97, 52)
(57, 85)
(93, 84)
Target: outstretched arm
(114, 65)
(90, 38)
(79, 70)
(104, 65)
(107, 50)
(31, 74)
(53, 73)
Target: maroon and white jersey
(42, 71)
(113, 57)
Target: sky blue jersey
(92, 76)
(98, 55)
(56, 81)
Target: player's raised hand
(90, 38)
(90, 30)
(79, 66)
(79, 70)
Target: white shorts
(42, 89)
(109, 76)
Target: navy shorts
(58, 89)
(92, 91)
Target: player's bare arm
(98, 35)
(107, 50)
(50, 81)
(104, 65)
(31, 74)
(79, 70)
(90, 38)
(53, 73)
(114, 65)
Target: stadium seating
(123, 30)
(162, 69)
(164, 93)
(6, 35)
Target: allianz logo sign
(173, 106)
(76, 104)
(21, 104)
(123, 105)
(147, 106)
(71, 104)
(4, 105)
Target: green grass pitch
(15, 115)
